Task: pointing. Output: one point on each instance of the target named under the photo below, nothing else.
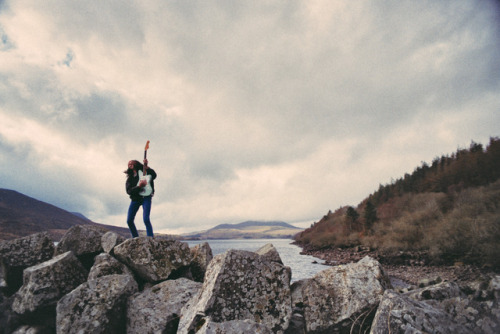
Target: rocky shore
(95, 281)
(404, 268)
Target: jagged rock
(157, 309)
(18, 254)
(27, 251)
(475, 315)
(84, 241)
(241, 285)
(398, 313)
(96, 306)
(110, 240)
(269, 252)
(233, 327)
(45, 283)
(340, 297)
(105, 264)
(153, 259)
(201, 257)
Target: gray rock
(398, 313)
(110, 240)
(45, 283)
(18, 254)
(241, 285)
(201, 257)
(157, 309)
(84, 241)
(341, 297)
(233, 327)
(105, 264)
(96, 306)
(269, 252)
(27, 251)
(153, 259)
(472, 314)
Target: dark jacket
(131, 185)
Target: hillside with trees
(448, 211)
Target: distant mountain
(248, 230)
(21, 215)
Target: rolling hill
(248, 230)
(21, 215)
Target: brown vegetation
(449, 211)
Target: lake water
(302, 265)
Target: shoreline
(407, 270)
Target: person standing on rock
(140, 188)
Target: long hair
(137, 167)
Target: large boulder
(241, 285)
(201, 256)
(341, 297)
(157, 309)
(153, 259)
(18, 254)
(109, 240)
(84, 241)
(398, 313)
(270, 253)
(96, 306)
(45, 283)
(105, 264)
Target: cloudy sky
(256, 110)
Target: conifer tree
(352, 217)
(370, 215)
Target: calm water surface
(302, 265)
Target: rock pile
(96, 282)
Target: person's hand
(143, 183)
(145, 162)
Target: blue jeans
(146, 210)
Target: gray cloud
(278, 110)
